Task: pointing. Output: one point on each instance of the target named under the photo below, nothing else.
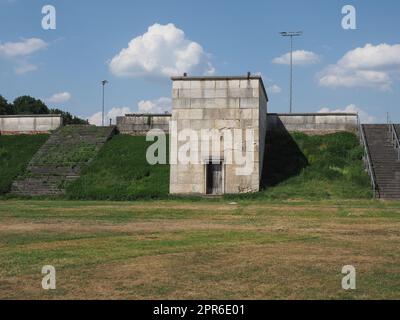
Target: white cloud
(274, 89)
(160, 105)
(162, 51)
(61, 97)
(352, 108)
(370, 66)
(18, 52)
(95, 119)
(300, 57)
(22, 48)
(372, 57)
(25, 67)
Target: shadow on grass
(283, 158)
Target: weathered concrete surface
(313, 123)
(221, 104)
(29, 124)
(140, 124)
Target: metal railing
(367, 161)
(394, 139)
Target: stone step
(384, 160)
(48, 178)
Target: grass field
(202, 250)
(15, 153)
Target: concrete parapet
(313, 123)
(140, 124)
(29, 124)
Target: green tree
(29, 105)
(67, 117)
(5, 107)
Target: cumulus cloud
(352, 108)
(61, 97)
(274, 89)
(95, 119)
(369, 66)
(161, 105)
(300, 57)
(162, 51)
(24, 67)
(22, 48)
(19, 52)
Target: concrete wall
(222, 104)
(313, 123)
(263, 127)
(29, 124)
(140, 124)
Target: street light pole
(104, 82)
(291, 35)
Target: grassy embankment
(300, 166)
(315, 167)
(15, 154)
(120, 172)
(296, 166)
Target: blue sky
(64, 67)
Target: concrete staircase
(61, 159)
(384, 160)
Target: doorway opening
(214, 178)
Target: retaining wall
(140, 124)
(29, 124)
(313, 123)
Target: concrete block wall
(313, 123)
(263, 125)
(29, 124)
(220, 103)
(140, 124)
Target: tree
(67, 117)
(29, 105)
(5, 107)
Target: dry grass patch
(195, 251)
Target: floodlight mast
(291, 35)
(104, 82)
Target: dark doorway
(214, 178)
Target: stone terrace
(61, 159)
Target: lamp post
(104, 82)
(291, 35)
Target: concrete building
(220, 105)
(227, 107)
